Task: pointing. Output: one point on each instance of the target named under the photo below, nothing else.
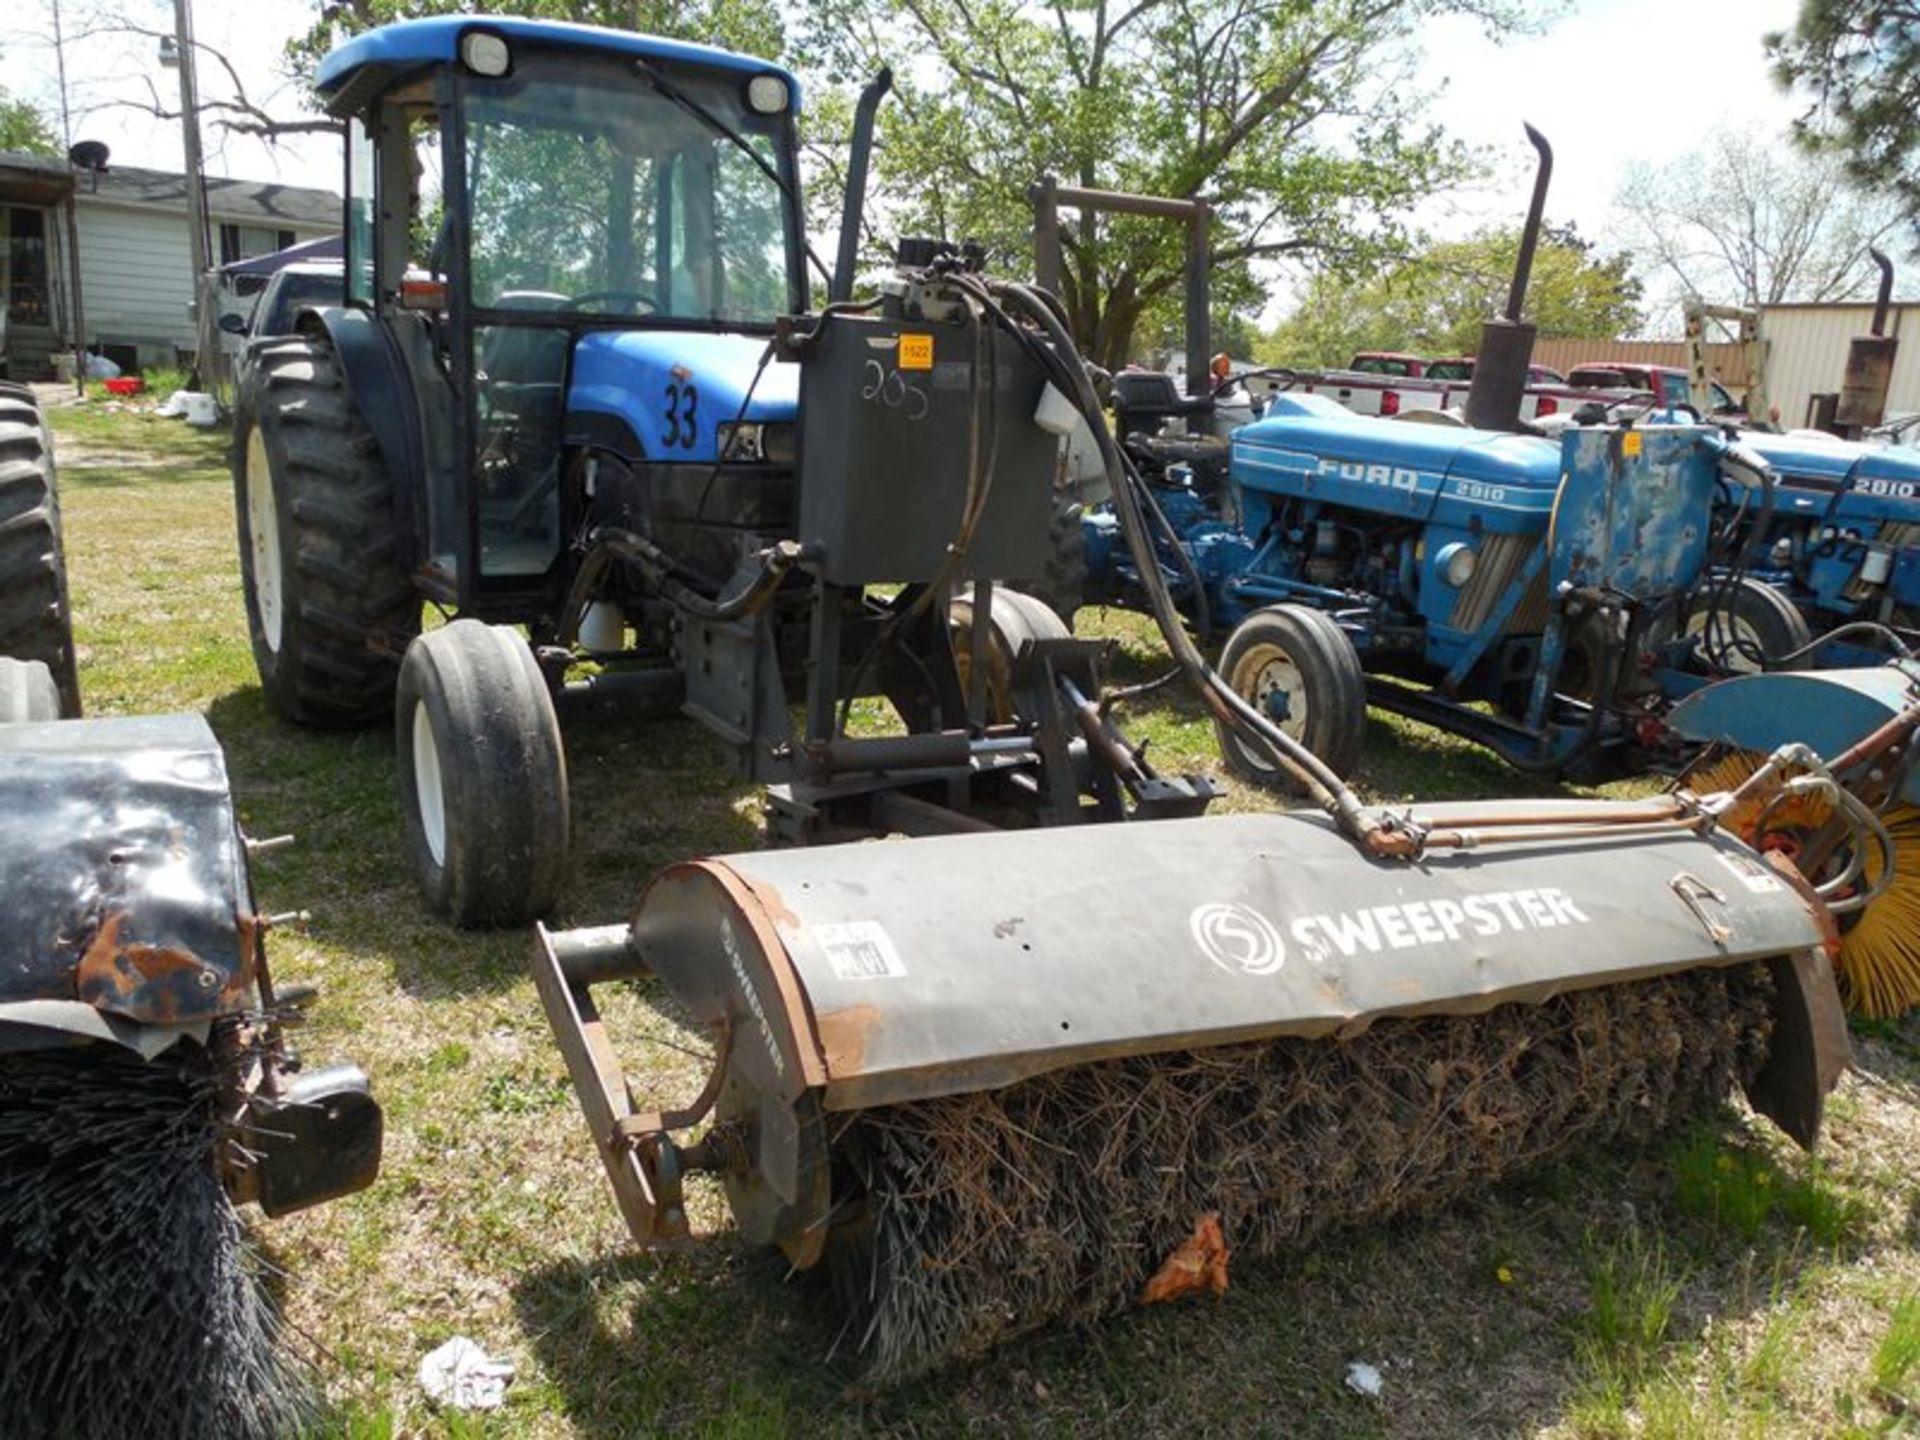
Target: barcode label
(859, 950)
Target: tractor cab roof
(363, 66)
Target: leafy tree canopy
(1434, 304)
(24, 128)
(1858, 63)
(1746, 222)
(1297, 119)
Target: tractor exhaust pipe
(1506, 342)
(1863, 389)
(841, 286)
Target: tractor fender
(126, 884)
(382, 391)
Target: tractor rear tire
(36, 618)
(27, 692)
(329, 608)
(1298, 667)
(1754, 616)
(483, 774)
(1063, 586)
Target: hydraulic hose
(772, 564)
(1375, 833)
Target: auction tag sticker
(916, 352)
(859, 950)
(1750, 872)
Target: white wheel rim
(429, 798)
(1273, 671)
(1730, 643)
(263, 538)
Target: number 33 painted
(682, 415)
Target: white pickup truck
(1378, 383)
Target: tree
(1297, 121)
(24, 128)
(1859, 63)
(1435, 303)
(1742, 222)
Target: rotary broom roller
(990, 1081)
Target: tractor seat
(1144, 400)
(517, 358)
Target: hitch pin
(271, 842)
(286, 917)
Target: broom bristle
(133, 1304)
(1879, 966)
(986, 1215)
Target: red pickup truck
(1666, 382)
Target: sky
(1609, 83)
(1614, 82)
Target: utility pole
(196, 180)
(73, 224)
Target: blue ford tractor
(1446, 570)
(579, 398)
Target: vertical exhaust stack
(1863, 390)
(841, 286)
(1506, 341)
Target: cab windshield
(592, 192)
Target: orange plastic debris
(1199, 1264)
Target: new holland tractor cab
(575, 399)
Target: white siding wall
(1809, 353)
(134, 274)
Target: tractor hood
(1310, 444)
(1811, 460)
(661, 394)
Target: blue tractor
(1447, 570)
(1521, 591)
(1842, 543)
(580, 400)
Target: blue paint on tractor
(1484, 566)
(1827, 710)
(1844, 543)
(673, 388)
(411, 44)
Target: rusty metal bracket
(643, 1126)
(646, 1177)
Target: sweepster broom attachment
(988, 1081)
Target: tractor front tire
(1018, 617)
(36, 620)
(1738, 627)
(483, 774)
(1297, 667)
(329, 608)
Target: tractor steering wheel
(630, 297)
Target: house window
(244, 242)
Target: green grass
(492, 1219)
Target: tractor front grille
(1501, 558)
